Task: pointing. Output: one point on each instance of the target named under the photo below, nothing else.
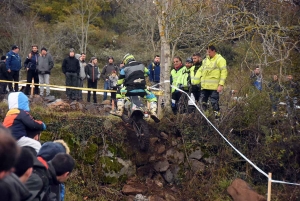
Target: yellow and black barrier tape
(158, 92)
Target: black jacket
(3, 71)
(38, 182)
(54, 184)
(70, 65)
(15, 189)
(92, 72)
(32, 62)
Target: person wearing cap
(93, 74)
(3, 75)
(71, 69)
(45, 65)
(30, 64)
(13, 67)
(106, 72)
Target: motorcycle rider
(132, 76)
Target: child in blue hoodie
(18, 119)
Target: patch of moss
(90, 153)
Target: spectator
(113, 79)
(276, 89)
(293, 91)
(45, 65)
(256, 78)
(154, 69)
(9, 153)
(32, 140)
(71, 69)
(23, 170)
(18, 119)
(23, 167)
(82, 74)
(121, 66)
(93, 74)
(16, 190)
(30, 64)
(175, 74)
(213, 74)
(45, 180)
(195, 76)
(106, 72)
(3, 75)
(13, 66)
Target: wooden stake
(32, 86)
(269, 186)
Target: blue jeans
(106, 86)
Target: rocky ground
(111, 167)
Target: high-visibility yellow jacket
(184, 79)
(175, 74)
(213, 72)
(195, 75)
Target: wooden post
(32, 87)
(269, 186)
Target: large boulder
(239, 190)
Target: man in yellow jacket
(213, 75)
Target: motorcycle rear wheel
(141, 128)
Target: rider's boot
(153, 109)
(120, 108)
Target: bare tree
(82, 14)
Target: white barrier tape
(284, 182)
(242, 155)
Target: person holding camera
(45, 64)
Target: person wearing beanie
(106, 72)
(30, 65)
(71, 69)
(45, 65)
(50, 149)
(13, 67)
(93, 74)
(18, 118)
(3, 75)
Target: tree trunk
(162, 7)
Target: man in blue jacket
(154, 69)
(13, 66)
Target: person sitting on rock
(19, 121)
